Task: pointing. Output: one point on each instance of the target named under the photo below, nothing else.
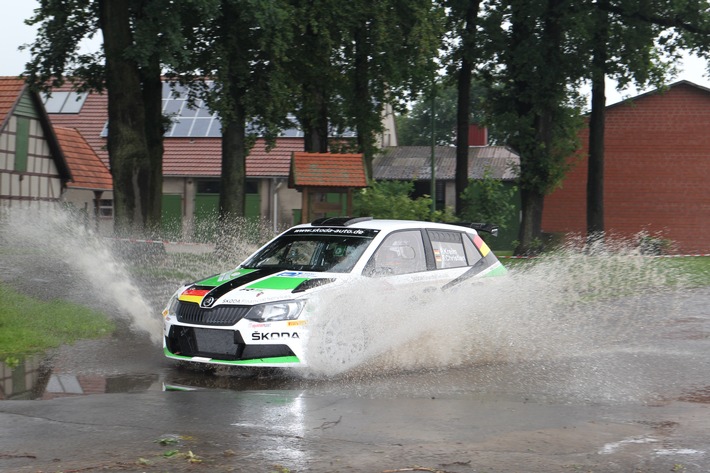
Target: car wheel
(344, 345)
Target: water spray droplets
(555, 307)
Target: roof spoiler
(338, 221)
(482, 227)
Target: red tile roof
(201, 157)
(88, 171)
(10, 89)
(89, 122)
(327, 170)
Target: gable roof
(659, 91)
(327, 170)
(88, 171)
(12, 91)
(414, 163)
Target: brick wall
(656, 174)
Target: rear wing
(482, 227)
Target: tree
(351, 60)
(463, 17)
(392, 199)
(490, 201)
(531, 101)
(317, 39)
(137, 36)
(240, 56)
(386, 59)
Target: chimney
(477, 135)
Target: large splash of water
(127, 280)
(551, 307)
(75, 260)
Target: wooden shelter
(326, 182)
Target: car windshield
(311, 252)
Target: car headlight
(171, 307)
(273, 311)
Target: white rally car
(257, 314)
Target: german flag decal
(193, 295)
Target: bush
(391, 199)
(489, 200)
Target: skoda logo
(208, 301)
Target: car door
(405, 259)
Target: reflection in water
(33, 378)
(24, 379)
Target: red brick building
(656, 171)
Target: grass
(696, 268)
(29, 325)
(691, 271)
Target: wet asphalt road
(607, 407)
(644, 409)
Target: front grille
(192, 313)
(221, 344)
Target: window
(312, 252)
(472, 253)
(105, 208)
(400, 253)
(450, 249)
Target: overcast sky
(13, 33)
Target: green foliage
(391, 199)
(28, 325)
(489, 200)
(414, 127)
(352, 60)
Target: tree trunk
(530, 227)
(233, 185)
(464, 105)
(127, 148)
(232, 194)
(595, 169)
(362, 105)
(315, 122)
(155, 131)
(313, 115)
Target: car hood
(254, 286)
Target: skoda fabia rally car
(257, 314)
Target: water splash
(57, 253)
(78, 264)
(551, 308)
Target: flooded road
(543, 372)
(641, 407)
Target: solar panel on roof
(63, 102)
(194, 119)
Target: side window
(400, 253)
(472, 253)
(450, 249)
